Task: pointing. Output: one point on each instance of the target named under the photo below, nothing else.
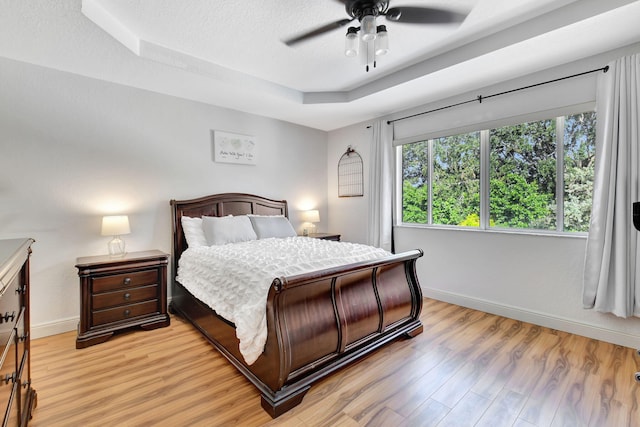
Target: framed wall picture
(234, 148)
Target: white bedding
(234, 279)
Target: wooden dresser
(121, 292)
(17, 396)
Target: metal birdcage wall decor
(350, 174)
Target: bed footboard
(327, 319)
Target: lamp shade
(382, 41)
(312, 215)
(352, 42)
(368, 28)
(115, 225)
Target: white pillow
(227, 229)
(193, 232)
(272, 226)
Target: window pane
(523, 175)
(579, 166)
(456, 180)
(415, 182)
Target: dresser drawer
(125, 296)
(7, 339)
(124, 312)
(12, 416)
(125, 280)
(9, 370)
(9, 312)
(10, 303)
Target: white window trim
(486, 127)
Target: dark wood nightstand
(325, 236)
(121, 292)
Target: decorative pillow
(227, 229)
(272, 226)
(193, 232)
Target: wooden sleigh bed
(317, 322)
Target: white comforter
(234, 279)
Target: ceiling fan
(361, 9)
(366, 12)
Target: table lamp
(310, 217)
(116, 226)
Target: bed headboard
(218, 205)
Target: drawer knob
(127, 312)
(127, 296)
(127, 281)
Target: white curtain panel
(381, 186)
(611, 274)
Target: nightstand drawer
(125, 296)
(124, 312)
(126, 280)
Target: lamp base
(308, 228)
(116, 247)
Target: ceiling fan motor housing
(359, 8)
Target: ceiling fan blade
(317, 31)
(423, 15)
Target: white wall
(73, 149)
(348, 215)
(528, 277)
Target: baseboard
(54, 328)
(542, 319)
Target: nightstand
(117, 293)
(325, 236)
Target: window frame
(484, 130)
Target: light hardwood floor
(468, 368)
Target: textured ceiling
(230, 53)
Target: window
(579, 168)
(539, 175)
(522, 182)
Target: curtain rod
(479, 98)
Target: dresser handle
(10, 378)
(127, 312)
(24, 337)
(127, 281)
(127, 296)
(8, 317)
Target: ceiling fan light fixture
(351, 42)
(382, 41)
(368, 28)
